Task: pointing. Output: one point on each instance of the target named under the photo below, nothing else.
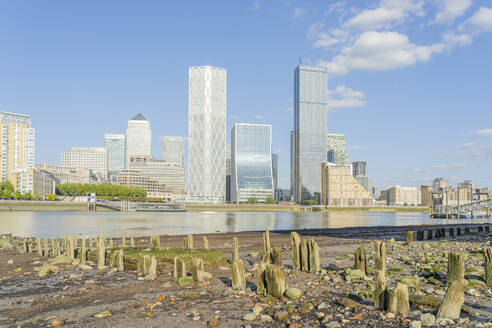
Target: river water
(109, 224)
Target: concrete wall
(46, 206)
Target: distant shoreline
(58, 206)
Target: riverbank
(83, 296)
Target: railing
(129, 206)
(471, 207)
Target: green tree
(6, 186)
(35, 196)
(17, 194)
(27, 196)
(51, 197)
(309, 202)
(252, 200)
(270, 200)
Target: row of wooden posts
(430, 234)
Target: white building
(68, 174)
(92, 158)
(207, 134)
(173, 150)
(138, 138)
(17, 139)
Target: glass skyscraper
(115, 148)
(173, 150)
(251, 148)
(138, 138)
(310, 129)
(207, 134)
(337, 153)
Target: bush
(252, 200)
(270, 200)
(309, 202)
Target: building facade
(170, 175)
(340, 188)
(207, 134)
(17, 144)
(310, 129)
(67, 174)
(336, 149)
(403, 196)
(36, 182)
(138, 138)
(359, 168)
(173, 149)
(228, 173)
(135, 179)
(251, 174)
(115, 145)
(92, 158)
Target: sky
(409, 80)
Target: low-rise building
(340, 188)
(67, 174)
(426, 195)
(92, 158)
(403, 196)
(134, 178)
(33, 181)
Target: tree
(17, 194)
(35, 196)
(270, 200)
(6, 186)
(309, 202)
(27, 196)
(252, 200)
(51, 197)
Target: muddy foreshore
(88, 297)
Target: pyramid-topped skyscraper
(138, 138)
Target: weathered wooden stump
(380, 256)
(123, 241)
(487, 253)
(304, 256)
(70, 247)
(314, 262)
(380, 290)
(456, 286)
(132, 241)
(39, 247)
(205, 243)
(197, 270)
(295, 245)
(260, 278)
(410, 236)
(120, 261)
(397, 300)
(46, 249)
(155, 242)
(360, 261)
(277, 256)
(275, 281)
(188, 242)
(101, 253)
(235, 250)
(238, 280)
(151, 269)
(179, 268)
(83, 251)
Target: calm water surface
(57, 224)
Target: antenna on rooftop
(300, 61)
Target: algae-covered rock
(293, 293)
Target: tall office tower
(138, 138)
(94, 159)
(228, 173)
(310, 129)
(292, 163)
(207, 134)
(251, 149)
(358, 168)
(173, 150)
(336, 149)
(17, 144)
(115, 149)
(275, 170)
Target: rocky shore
(51, 284)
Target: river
(58, 224)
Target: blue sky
(410, 80)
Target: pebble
(249, 316)
(332, 324)
(266, 318)
(321, 306)
(415, 324)
(440, 292)
(427, 319)
(390, 315)
(473, 292)
(257, 310)
(10, 261)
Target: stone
(103, 314)
(85, 267)
(351, 275)
(293, 293)
(61, 260)
(427, 319)
(473, 292)
(415, 324)
(257, 310)
(306, 307)
(249, 316)
(57, 323)
(10, 261)
(410, 281)
(444, 322)
(333, 324)
(45, 270)
(266, 318)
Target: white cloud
(298, 13)
(482, 19)
(343, 97)
(377, 51)
(465, 145)
(481, 133)
(388, 13)
(325, 41)
(476, 152)
(259, 117)
(449, 10)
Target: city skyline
(392, 120)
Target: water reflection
(57, 224)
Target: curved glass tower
(251, 157)
(206, 135)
